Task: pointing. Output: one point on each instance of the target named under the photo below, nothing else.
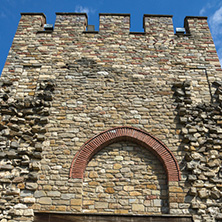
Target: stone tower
(111, 123)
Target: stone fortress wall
(111, 122)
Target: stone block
(109, 190)
(53, 194)
(39, 193)
(101, 205)
(28, 200)
(31, 186)
(119, 158)
(88, 202)
(93, 183)
(151, 186)
(135, 193)
(47, 187)
(45, 200)
(203, 193)
(128, 188)
(61, 208)
(93, 174)
(137, 207)
(117, 166)
(157, 203)
(29, 212)
(18, 180)
(76, 202)
(20, 206)
(67, 196)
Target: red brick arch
(98, 142)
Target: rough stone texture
(118, 134)
(138, 186)
(59, 89)
(19, 140)
(202, 141)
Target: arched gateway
(124, 133)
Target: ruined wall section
(201, 134)
(22, 129)
(103, 80)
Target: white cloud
(202, 11)
(219, 52)
(80, 8)
(209, 5)
(215, 22)
(213, 9)
(87, 10)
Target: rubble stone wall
(61, 88)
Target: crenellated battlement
(111, 121)
(196, 25)
(118, 23)
(31, 22)
(73, 22)
(70, 36)
(155, 25)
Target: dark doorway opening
(56, 217)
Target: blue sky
(10, 14)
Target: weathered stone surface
(135, 193)
(127, 183)
(14, 144)
(31, 186)
(109, 190)
(2, 154)
(93, 174)
(6, 167)
(119, 158)
(117, 166)
(18, 180)
(99, 205)
(60, 89)
(137, 207)
(76, 202)
(28, 200)
(39, 193)
(54, 194)
(215, 194)
(28, 212)
(45, 200)
(67, 196)
(157, 203)
(128, 188)
(20, 206)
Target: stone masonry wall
(60, 88)
(22, 129)
(201, 134)
(123, 178)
